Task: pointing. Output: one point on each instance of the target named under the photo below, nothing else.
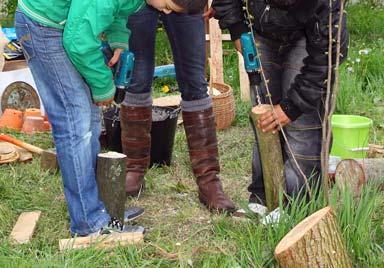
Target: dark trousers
(281, 63)
(186, 35)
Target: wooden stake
(244, 80)
(48, 160)
(25, 226)
(103, 241)
(271, 158)
(111, 169)
(216, 49)
(314, 242)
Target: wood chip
(25, 226)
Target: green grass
(182, 233)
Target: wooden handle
(21, 144)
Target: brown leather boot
(202, 142)
(136, 142)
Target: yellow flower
(165, 89)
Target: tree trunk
(314, 242)
(111, 169)
(354, 173)
(271, 159)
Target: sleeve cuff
(237, 29)
(290, 109)
(115, 45)
(105, 95)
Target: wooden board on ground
(25, 226)
(314, 242)
(167, 101)
(103, 241)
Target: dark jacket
(288, 22)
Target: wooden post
(354, 173)
(111, 169)
(314, 242)
(271, 159)
(244, 80)
(216, 48)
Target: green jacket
(83, 21)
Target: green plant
(9, 7)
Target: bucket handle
(363, 149)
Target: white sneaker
(258, 209)
(272, 218)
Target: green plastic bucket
(350, 136)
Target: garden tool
(122, 71)
(252, 65)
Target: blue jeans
(75, 121)
(281, 63)
(187, 38)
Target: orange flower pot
(47, 126)
(12, 119)
(32, 112)
(33, 124)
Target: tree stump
(48, 160)
(314, 242)
(271, 159)
(111, 169)
(354, 173)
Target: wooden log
(314, 242)
(48, 160)
(354, 173)
(111, 169)
(25, 226)
(271, 159)
(103, 241)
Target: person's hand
(104, 102)
(268, 123)
(237, 45)
(116, 56)
(210, 13)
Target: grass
(182, 233)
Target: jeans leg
(304, 134)
(143, 26)
(68, 104)
(187, 38)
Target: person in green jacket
(61, 43)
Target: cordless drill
(252, 65)
(122, 71)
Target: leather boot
(136, 142)
(202, 142)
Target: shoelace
(115, 223)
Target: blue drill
(122, 71)
(252, 65)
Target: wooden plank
(244, 80)
(103, 241)
(224, 37)
(216, 49)
(25, 226)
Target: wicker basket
(223, 106)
